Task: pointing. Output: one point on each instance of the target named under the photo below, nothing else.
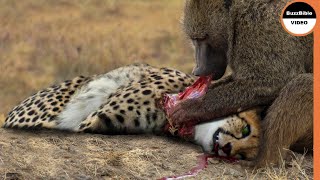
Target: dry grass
(43, 42)
(57, 155)
(300, 167)
(2, 118)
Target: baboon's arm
(226, 99)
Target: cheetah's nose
(227, 149)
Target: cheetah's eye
(245, 131)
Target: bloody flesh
(202, 163)
(198, 89)
(169, 101)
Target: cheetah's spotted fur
(124, 101)
(121, 101)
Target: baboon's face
(206, 23)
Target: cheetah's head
(234, 136)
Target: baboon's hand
(256, 164)
(186, 112)
(262, 163)
(272, 156)
(245, 163)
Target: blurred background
(45, 42)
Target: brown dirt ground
(61, 155)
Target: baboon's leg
(288, 121)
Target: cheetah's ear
(260, 111)
(254, 113)
(263, 112)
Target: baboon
(269, 68)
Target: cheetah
(126, 101)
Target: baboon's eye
(200, 38)
(245, 131)
(227, 4)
